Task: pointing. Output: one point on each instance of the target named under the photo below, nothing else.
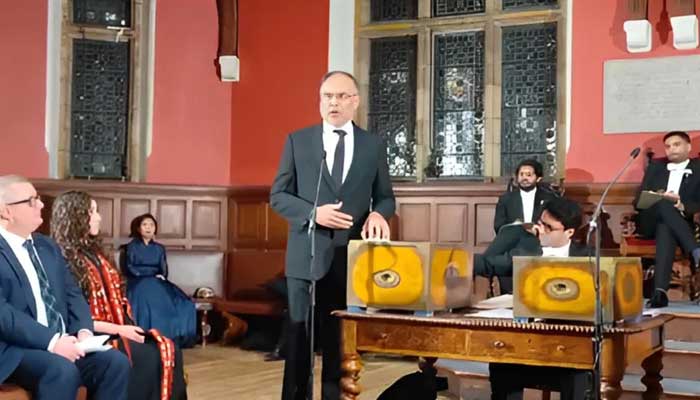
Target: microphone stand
(312, 288)
(598, 329)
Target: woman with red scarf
(157, 372)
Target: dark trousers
(497, 260)
(509, 380)
(667, 226)
(50, 376)
(330, 296)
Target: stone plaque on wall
(652, 95)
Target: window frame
(491, 22)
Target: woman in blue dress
(156, 302)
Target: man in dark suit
(532, 239)
(525, 202)
(355, 200)
(669, 220)
(550, 237)
(43, 314)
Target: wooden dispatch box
(563, 288)
(418, 276)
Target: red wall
(283, 49)
(598, 36)
(192, 111)
(23, 88)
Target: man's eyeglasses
(550, 228)
(33, 201)
(339, 96)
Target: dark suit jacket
(367, 185)
(510, 207)
(656, 178)
(19, 328)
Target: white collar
(13, 239)
(328, 128)
(677, 166)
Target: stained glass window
(102, 12)
(392, 10)
(458, 105)
(529, 97)
(99, 108)
(392, 100)
(443, 8)
(526, 4)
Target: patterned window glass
(99, 108)
(102, 12)
(526, 4)
(529, 97)
(392, 100)
(392, 10)
(442, 8)
(458, 105)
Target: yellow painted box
(563, 288)
(418, 276)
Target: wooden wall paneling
(415, 220)
(105, 206)
(248, 221)
(130, 209)
(206, 219)
(250, 270)
(172, 219)
(276, 229)
(452, 221)
(483, 227)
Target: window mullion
(423, 98)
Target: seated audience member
(43, 315)
(525, 203)
(157, 370)
(669, 220)
(156, 302)
(551, 236)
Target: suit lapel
(518, 205)
(13, 262)
(358, 143)
(317, 146)
(687, 179)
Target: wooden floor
(222, 372)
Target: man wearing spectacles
(43, 314)
(345, 169)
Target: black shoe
(658, 300)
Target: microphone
(598, 319)
(312, 217)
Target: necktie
(53, 317)
(339, 158)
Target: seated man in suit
(525, 203)
(43, 314)
(551, 236)
(669, 220)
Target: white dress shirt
(528, 199)
(562, 251)
(330, 141)
(675, 176)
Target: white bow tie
(675, 167)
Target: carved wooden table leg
(351, 366)
(652, 376)
(612, 367)
(610, 388)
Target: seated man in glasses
(551, 236)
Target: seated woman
(157, 303)
(157, 372)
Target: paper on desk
(94, 343)
(647, 199)
(503, 301)
(506, 313)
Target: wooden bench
(13, 392)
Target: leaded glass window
(102, 12)
(458, 105)
(528, 4)
(442, 8)
(392, 10)
(99, 108)
(392, 100)
(529, 97)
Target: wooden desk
(488, 340)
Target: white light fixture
(230, 68)
(685, 32)
(638, 35)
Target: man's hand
(375, 227)
(674, 197)
(84, 334)
(131, 332)
(66, 347)
(329, 215)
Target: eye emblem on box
(386, 278)
(562, 288)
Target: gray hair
(6, 181)
(339, 72)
